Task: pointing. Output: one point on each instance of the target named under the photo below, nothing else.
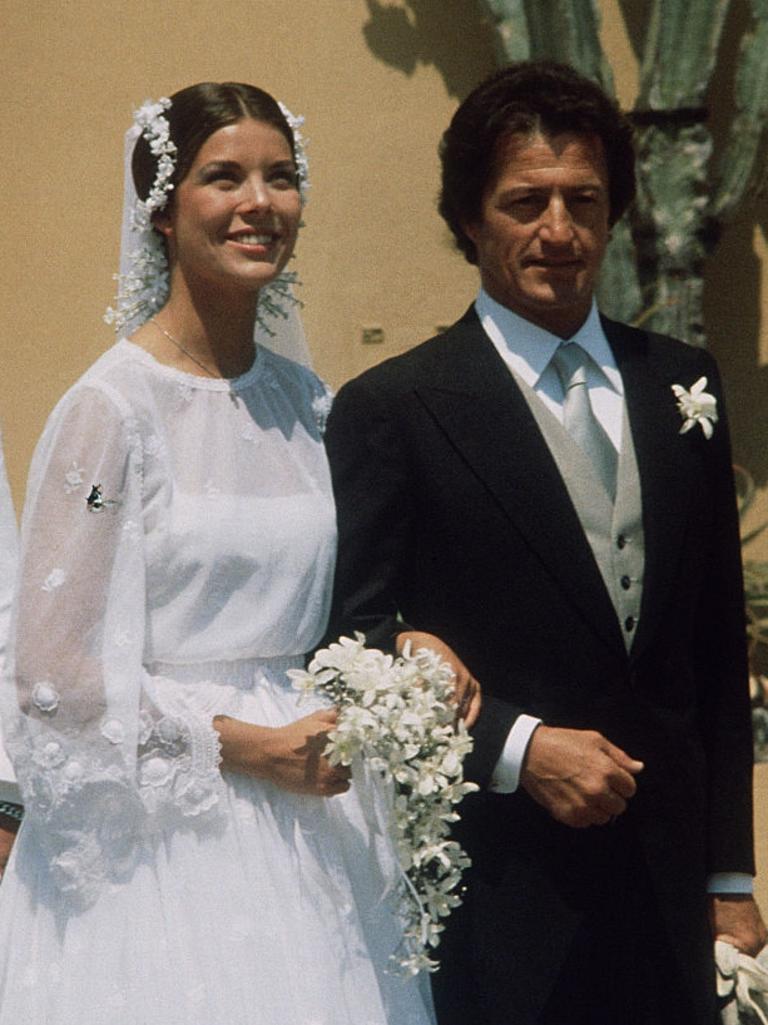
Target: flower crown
(143, 284)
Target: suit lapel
(475, 400)
(662, 465)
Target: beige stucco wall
(377, 83)
(372, 252)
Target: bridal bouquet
(397, 714)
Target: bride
(189, 857)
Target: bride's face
(234, 217)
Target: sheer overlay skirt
(277, 911)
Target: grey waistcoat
(614, 530)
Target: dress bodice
(238, 518)
(239, 523)
(169, 519)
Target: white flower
(696, 407)
(152, 445)
(397, 714)
(155, 771)
(73, 771)
(167, 731)
(113, 730)
(45, 697)
(321, 408)
(48, 753)
(54, 579)
(122, 637)
(73, 478)
(131, 530)
(251, 433)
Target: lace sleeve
(8, 555)
(96, 761)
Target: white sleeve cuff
(506, 774)
(730, 882)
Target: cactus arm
(738, 170)
(511, 25)
(680, 52)
(569, 31)
(561, 30)
(619, 290)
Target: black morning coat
(453, 516)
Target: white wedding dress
(177, 554)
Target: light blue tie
(579, 420)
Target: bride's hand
(289, 756)
(466, 695)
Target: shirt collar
(527, 348)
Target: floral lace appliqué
(131, 530)
(45, 697)
(153, 446)
(73, 478)
(250, 432)
(48, 753)
(122, 637)
(54, 579)
(113, 730)
(178, 769)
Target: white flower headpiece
(143, 279)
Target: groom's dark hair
(526, 98)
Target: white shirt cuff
(506, 774)
(730, 882)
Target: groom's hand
(466, 692)
(736, 918)
(578, 776)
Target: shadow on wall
(732, 293)
(452, 35)
(732, 314)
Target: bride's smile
(235, 215)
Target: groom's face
(543, 228)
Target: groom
(517, 493)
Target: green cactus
(655, 264)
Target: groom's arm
(371, 488)
(376, 476)
(375, 480)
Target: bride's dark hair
(197, 112)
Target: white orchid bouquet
(397, 714)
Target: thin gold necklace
(186, 352)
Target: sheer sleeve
(8, 555)
(97, 761)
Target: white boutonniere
(696, 407)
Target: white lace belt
(243, 673)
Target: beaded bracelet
(12, 811)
